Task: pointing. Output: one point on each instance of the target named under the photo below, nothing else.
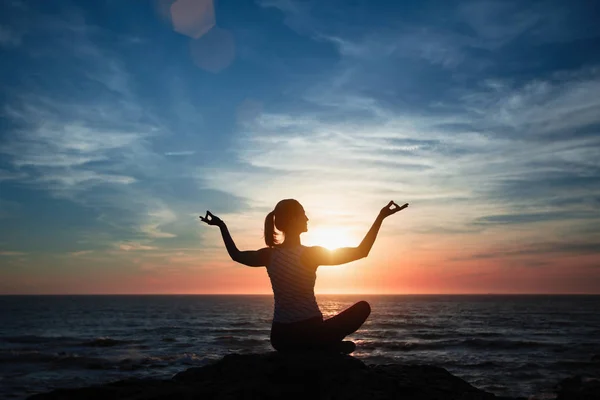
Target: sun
(331, 238)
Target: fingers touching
(209, 218)
(392, 208)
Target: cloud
(531, 218)
(11, 175)
(64, 155)
(132, 246)
(438, 48)
(560, 107)
(11, 253)
(498, 22)
(158, 217)
(296, 14)
(180, 153)
(80, 253)
(564, 247)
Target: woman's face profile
(305, 222)
(301, 221)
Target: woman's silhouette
(298, 324)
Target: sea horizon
(316, 294)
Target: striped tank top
(293, 286)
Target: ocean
(509, 345)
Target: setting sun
(330, 237)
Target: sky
(122, 122)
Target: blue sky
(123, 121)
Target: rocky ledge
(278, 376)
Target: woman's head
(288, 217)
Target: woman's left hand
(211, 219)
(391, 208)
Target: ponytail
(270, 238)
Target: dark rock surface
(277, 376)
(578, 388)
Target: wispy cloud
(159, 217)
(80, 253)
(497, 22)
(132, 246)
(11, 253)
(558, 108)
(180, 153)
(543, 248)
(10, 175)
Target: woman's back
(293, 285)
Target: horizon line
(316, 294)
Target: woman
(298, 324)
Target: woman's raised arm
(321, 256)
(257, 258)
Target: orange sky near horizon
(397, 264)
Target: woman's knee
(364, 307)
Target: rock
(278, 376)
(596, 357)
(578, 388)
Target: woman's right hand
(391, 208)
(211, 219)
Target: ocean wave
(35, 339)
(61, 359)
(108, 342)
(524, 366)
(240, 331)
(578, 364)
(506, 344)
(194, 359)
(441, 334)
(475, 365)
(379, 333)
(65, 360)
(183, 344)
(183, 327)
(395, 345)
(405, 325)
(478, 343)
(24, 356)
(232, 340)
(247, 323)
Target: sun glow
(331, 238)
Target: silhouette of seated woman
(298, 324)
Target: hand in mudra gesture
(211, 219)
(391, 208)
